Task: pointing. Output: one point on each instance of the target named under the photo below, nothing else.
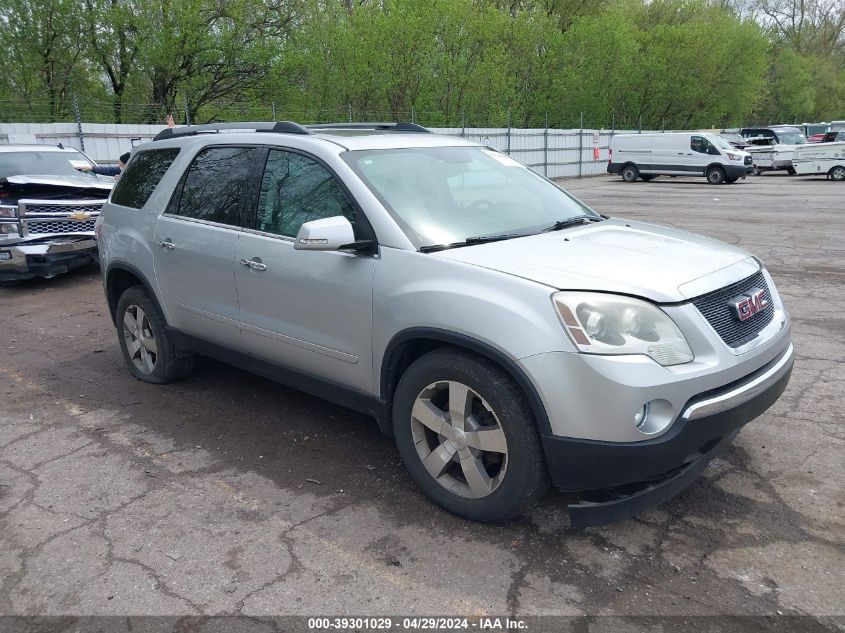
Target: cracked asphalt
(229, 494)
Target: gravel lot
(228, 494)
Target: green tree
(43, 54)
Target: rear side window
(139, 179)
(216, 184)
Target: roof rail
(401, 126)
(281, 127)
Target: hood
(658, 263)
(71, 182)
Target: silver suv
(506, 335)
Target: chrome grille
(716, 309)
(35, 209)
(60, 226)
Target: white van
(677, 154)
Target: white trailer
(820, 159)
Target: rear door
(195, 244)
(306, 310)
(668, 152)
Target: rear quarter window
(142, 175)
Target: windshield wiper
(574, 221)
(470, 241)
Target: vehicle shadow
(77, 276)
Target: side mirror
(328, 234)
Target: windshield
(791, 138)
(42, 163)
(443, 195)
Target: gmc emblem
(748, 304)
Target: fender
(392, 356)
(121, 265)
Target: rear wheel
(147, 349)
(716, 175)
(467, 436)
(630, 173)
(837, 173)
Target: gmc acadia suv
(507, 336)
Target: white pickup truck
(47, 210)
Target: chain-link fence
(553, 152)
(554, 148)
(73, 108)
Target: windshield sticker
(79, 164)
(504, 159)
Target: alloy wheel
(459, 439)
(140, 339)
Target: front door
(700, 154)
(195, 245)
(305, 310)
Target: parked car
(821, 159)
(647, 156)
(505, 334)
(47, 211)
(833, 137)
(771, 147)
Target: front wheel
(147, 349)
(630, 173)
(837, 173)
(715, 175)
(467, 436)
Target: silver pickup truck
(47, 210)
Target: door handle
(254, 265)
(167, 244)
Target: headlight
(733, 156)
(613, 324)
(7, 211)
(7, 228)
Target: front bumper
(26, 260)
(636, 476)
(738, 171)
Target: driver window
(296, 189)
(702, 145)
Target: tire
(481, 485)
(716, 175)
(757, 171)
(630, 173)
(837, 173)
(648, 178)
(731, 181)
(141, 325)
(791, 171)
